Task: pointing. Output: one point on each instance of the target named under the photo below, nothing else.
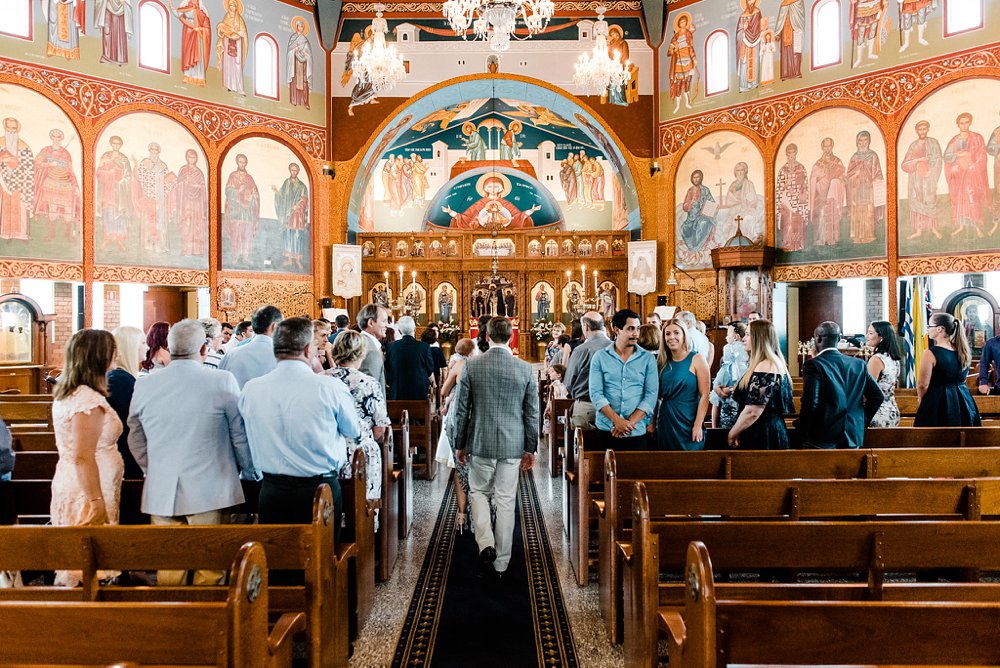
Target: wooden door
(819, 302)
(164, 303)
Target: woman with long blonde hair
(945, 400)
(684, 387)
(763, 394)
(131, 345)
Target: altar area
(529, 276)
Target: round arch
(464, 89)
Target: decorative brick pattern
(874, 301)
(64, 320)
(112, 307)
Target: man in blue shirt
(297, 422)
(990, 356)
(623, 386)
(256, 357)
(341, 322)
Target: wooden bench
(714, 631)
(25, 441)
(778, 499)
(34, 415)
(424, 432)
(543, 395)
(228, 634)
(559, 429)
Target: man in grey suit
(372, 321)
(256, 357)
(496, 422)
(578, 369)
(187, 435)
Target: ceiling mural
(493, 162)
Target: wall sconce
(328, 170)
(654, 169)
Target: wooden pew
(778, 499)
(403, 470)
(392, 505)
(35, 465)
(228, 634)
(543, 395)
(21, 415)
(713, 631)
(34, 440)
(560, 426)
(424, 426)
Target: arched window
(826, 33)
(154, 36)
(962, 16)
(15, 20)
(265, 67)
(717, 63)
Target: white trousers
(496, 477)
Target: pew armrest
(626, 552)
(598, 506)
(346, 551)
(570, 477)
(672, 623)
(279, 642)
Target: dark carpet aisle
(458, 619)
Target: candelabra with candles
(398, 304)
(591, 301)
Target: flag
(906, 332)
(920, 307)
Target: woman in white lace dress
(86, 487)
(445, 454)
(884, 368)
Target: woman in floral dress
(348, 352)
(884, 368)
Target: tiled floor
(377, 642)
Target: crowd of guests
(650, 386)
(195, 407)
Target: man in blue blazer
(839, 397)
(187, 435)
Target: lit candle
(400, 279)
(568, 277)
(583, 279)
(388, 289)
(413, 279)
(595, 283)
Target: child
(557, 390)
(734, 364)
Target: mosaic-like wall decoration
(266, 208)
(719, 179)
(150, 194)
(41, 169)
(830, 189)
(949, 171)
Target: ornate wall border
(56, 271)
(91, 97)
(885, 93)
(435, 7)
(150, 275)
(825, 272)
(967, 263)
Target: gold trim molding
(833, 270)
(435, 7)
(947, 264)
(56, 271)
(150, 275)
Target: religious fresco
(769, 47)
(719, 179)
(266, 208)
(830, 189)
(150, 194)
(415, 302)
(542, 301)
(949, 171)
(558, 160)
(41, 205)
(445, 303)
(572, 302)
(210, 56)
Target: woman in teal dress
(684, 387)
(764, 394)
(945, 400)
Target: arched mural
(543, 151)
(150, 194)
(266, 208)
(949, 166)
(41, 205)
(830, 189)
(719, 179)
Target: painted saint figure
(767, 50)
(697, 228)
(300, 64)
(914, 12)
(965, 172)
(475, 147)
(420, 183)
(826, 196)
(363, 91)
(57, 191)
(619, 53)
(869, 21)
(923, 163)
(151, 190)
(241, 213)
(493, 210)
(791, 190)
(750, 27)
(993, 148)
(446, 299)
(231, 47)
(791, 26)
(114, 195)
(115, 19)
(510, 147)
(191, 194)
(196, 41)
(567, 178)
(683, 61)
(865, 182)
(741, 201)
(543, 301)
(17, 182)
(66, 20)
(291, 203)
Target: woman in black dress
(945, 400)
(764, 394)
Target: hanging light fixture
(494, 21)
(378, 63)
(597, 71)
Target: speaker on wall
(661, 300)
(326, 302)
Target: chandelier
(378, 64)
(494, 20)
(597, 71)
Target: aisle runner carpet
(458, 619)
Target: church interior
(798, 161)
